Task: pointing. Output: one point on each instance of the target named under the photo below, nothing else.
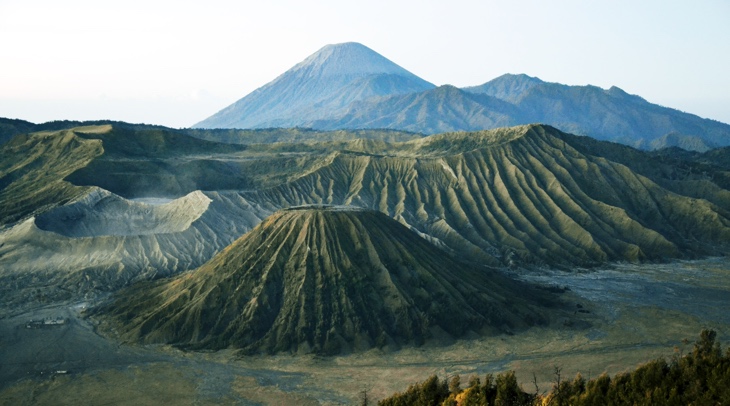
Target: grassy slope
(32, 169)
(297, 135)
(530, 193)
(326, 281)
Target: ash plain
(627, 314)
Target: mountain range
(349, 86)
(94, 208)
(332, 240)
(254, 241)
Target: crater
(102, 213)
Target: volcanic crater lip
(326, 207)
(102, 213)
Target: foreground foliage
(699, 378)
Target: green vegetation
(328, 281)
(526, 195)
(515, 196)
(502, 390)
(512, 196)
(699, 378)
(297, 135)
(10, 128)
(33, 168)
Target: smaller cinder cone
(324, 280)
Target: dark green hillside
(325, 280)
(152, 143)
(10, 128)
(297, 135)
(718, 156)
(699, 175)
(140, 162)
(33, 168)
(154, 162)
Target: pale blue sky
(177, 62)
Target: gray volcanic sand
(636, 313)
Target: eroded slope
(521, 194)
(325, 280)
(33, 168)
(513, 196)
(84, 253)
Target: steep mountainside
(522, 194)
(32, 168)
(297, 135)
(442, 109)
(324, 280)
(10, 128)
(326, 81)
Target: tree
(455, 384)
(509, 392)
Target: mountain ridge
(525, 196)
(402, 101)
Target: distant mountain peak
(447, 89)
(350, 86)
(508, 87)
(349, 58)
(328, 80)
(616, 91)
(518, 76)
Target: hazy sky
(177, 62)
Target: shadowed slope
(324, 280)
(32, 169)
(12, 127)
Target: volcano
(325, 280)
(327, 81)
